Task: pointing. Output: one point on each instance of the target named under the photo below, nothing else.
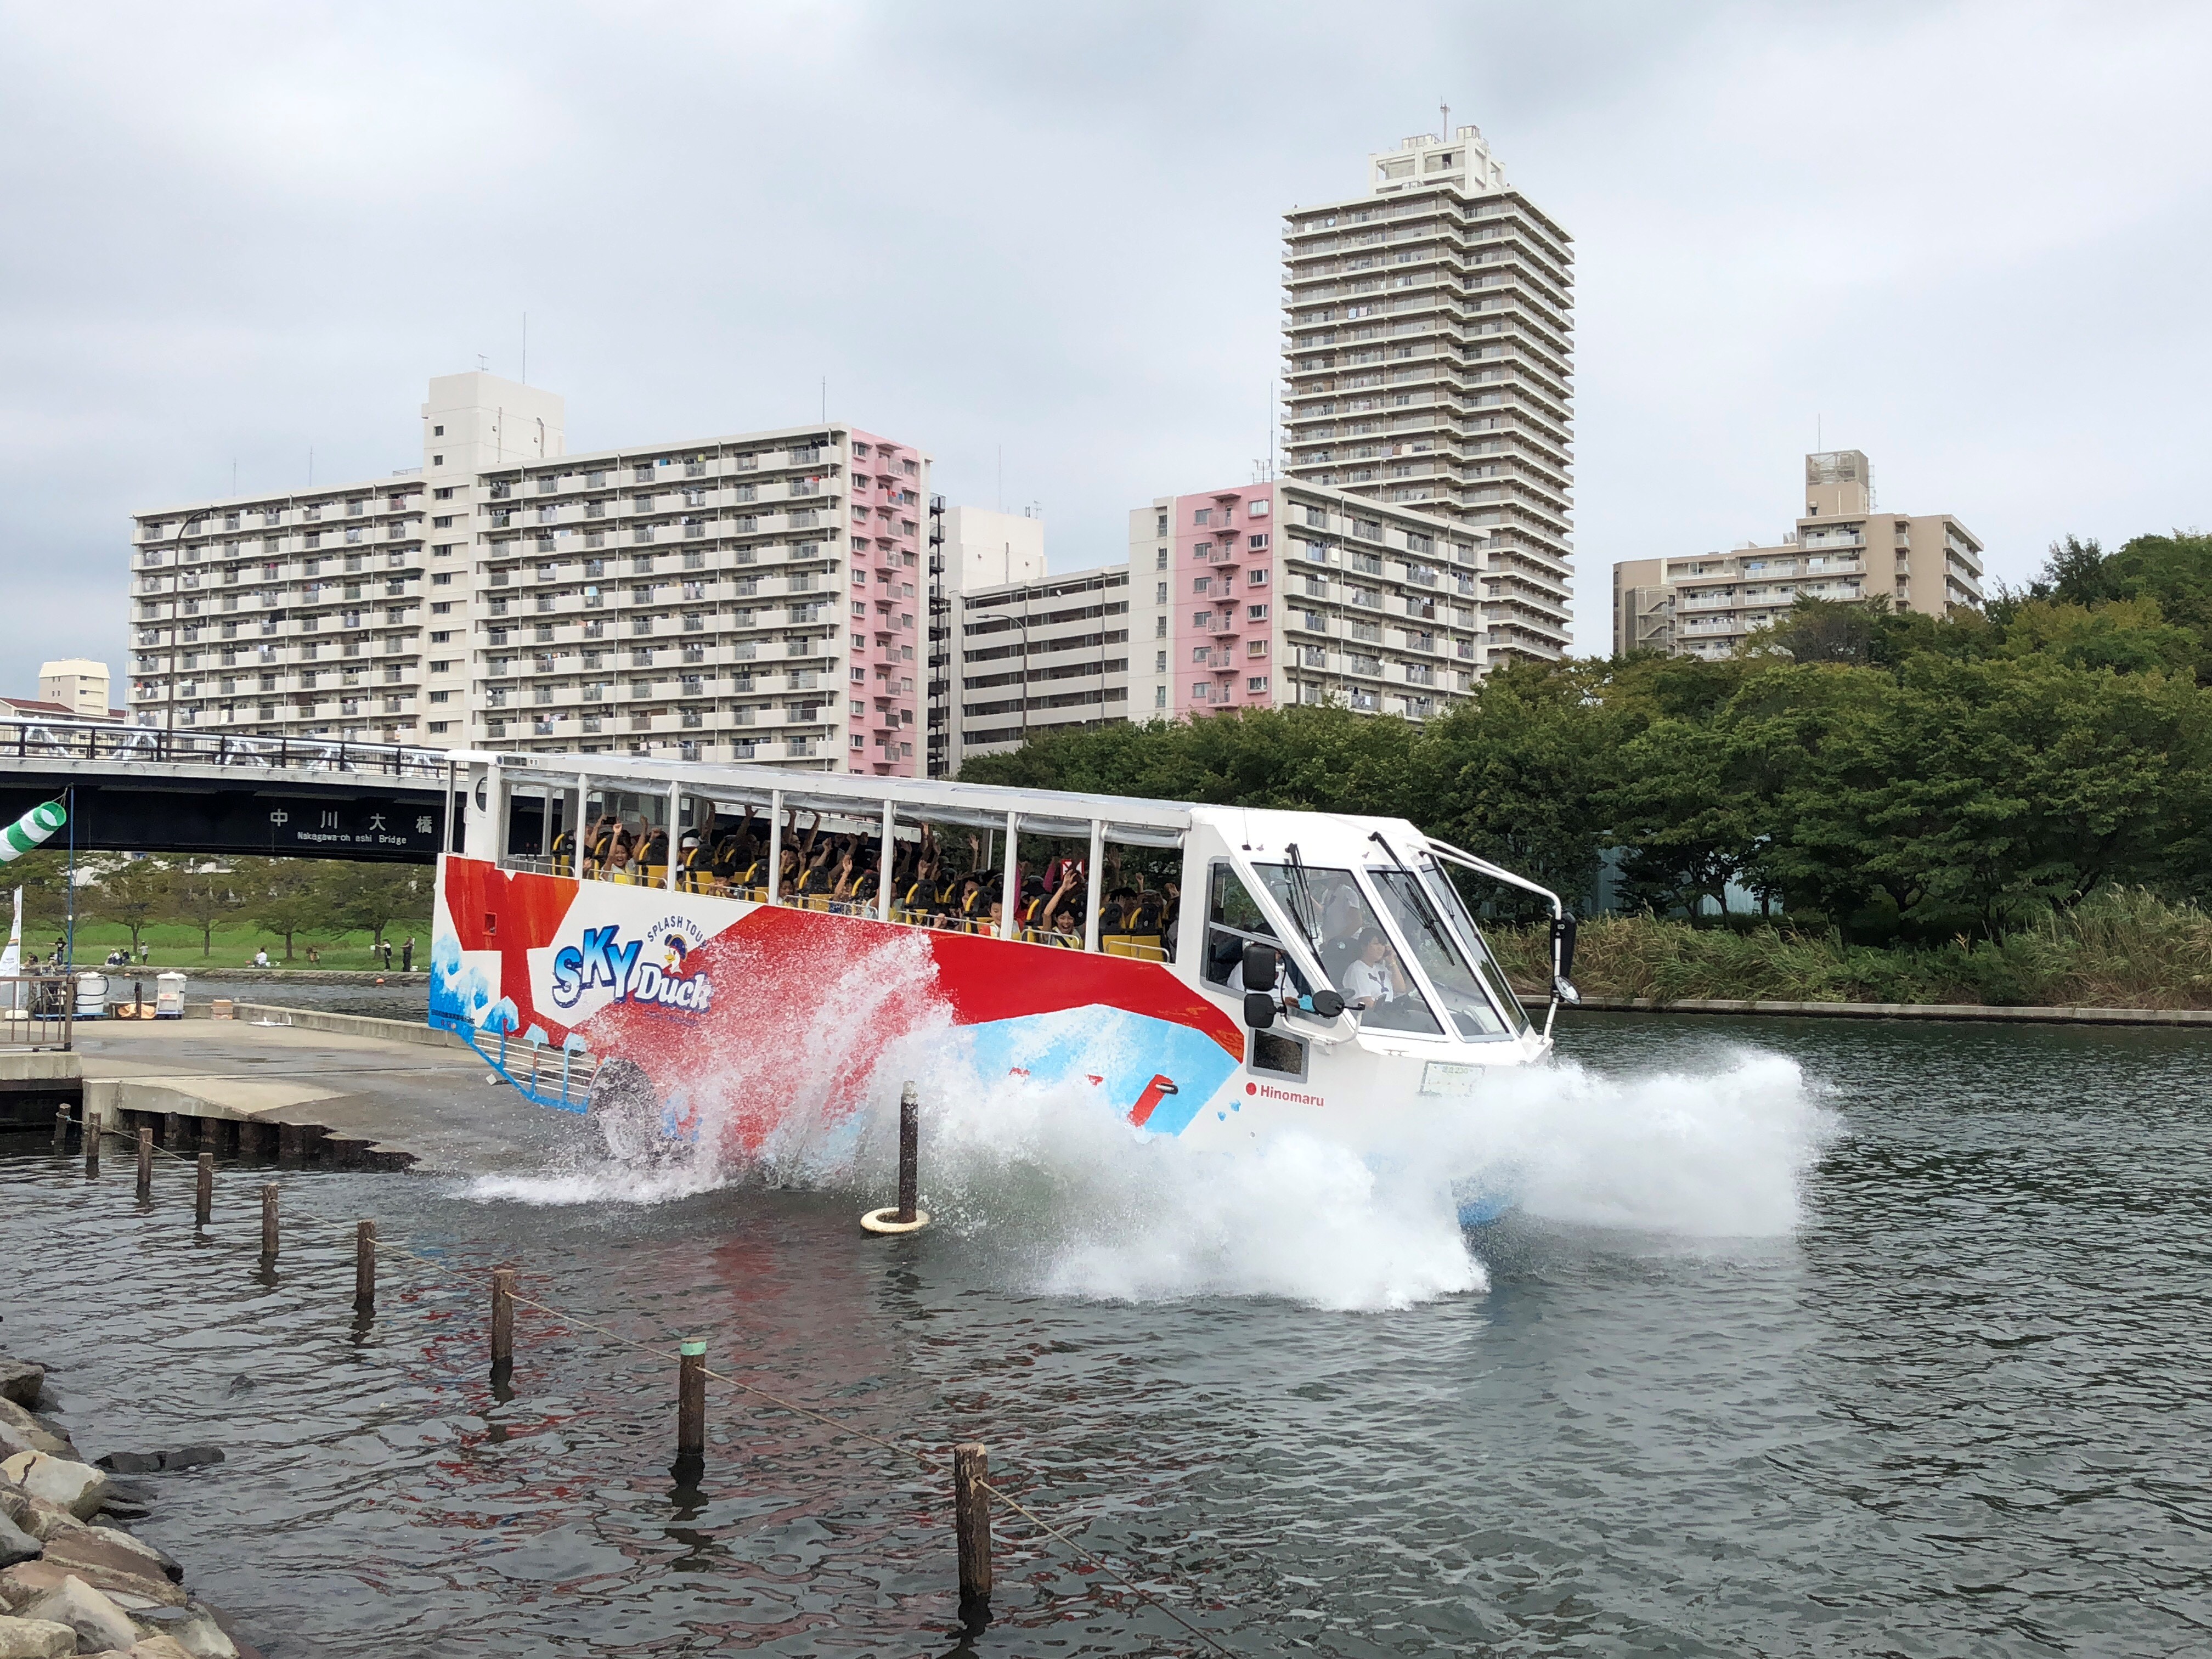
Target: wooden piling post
(364, 1265)
(910, 1173)
(269, 1222)
(971, 1523)
(904, 1217)
(503, 1320)
(691, 1401)
(91, 1145)
(291, 1150)
(203, 1195)
(173, 1131)
(61, 1128)
(145, 1161)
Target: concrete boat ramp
(300, 1086)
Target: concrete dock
(327, 1089)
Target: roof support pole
(1091, 887)
(580, 826)
(675, 831)
(774, 843)
(883, 878)
(500, 794)
(1009, 884)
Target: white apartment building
(299, 613)
(1038, 655)
(1428, 343)
(77, 683)
(1843, 549)
(1266, 594)
(750, 596)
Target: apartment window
(441, 607)
(1256, 683)
(1161, 597)
(1204, 515)
(1256, 578)
(1159, 627)
(437, 432)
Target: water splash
(1067, 1199)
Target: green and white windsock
(29, 830)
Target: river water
(1810, 1338)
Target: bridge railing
(33, 739)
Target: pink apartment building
(1266, 594)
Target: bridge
(142, 789)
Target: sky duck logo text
(661, 975)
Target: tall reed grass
(2124, 948)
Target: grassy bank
(2126, 949)
(175, 946)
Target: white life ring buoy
(886, 1221)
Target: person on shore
(407, 955)
(314, 958)
(386, 945)
(261, 958)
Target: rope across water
(922, 1460)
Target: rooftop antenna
(1445, 111)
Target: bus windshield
(1455, 908)
(1438, 951)
(1351, 945)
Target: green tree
(205, 898)
(289, 896)
(1516, 776)
(131, 894)
(374, 896)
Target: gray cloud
(1969, 240)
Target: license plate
(1442, 1077)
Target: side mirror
(1259, 1009)
(1259, 963)
(1325, 1005)
(1563, 946)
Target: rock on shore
(71, 1582)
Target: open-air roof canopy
(973, 806)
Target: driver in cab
(1372, 976)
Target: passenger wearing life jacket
(616, 865)
(564, 854)
(1061, 920)
(1141, 926)
(693, 866)
(650, 864)
(599, 840)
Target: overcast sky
(1972, 240)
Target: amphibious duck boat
(735, 952)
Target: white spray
(1061, 1196)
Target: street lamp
(169, 722)
(1025, 657)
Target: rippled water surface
(1948, 1398)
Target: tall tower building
(1428, 329)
